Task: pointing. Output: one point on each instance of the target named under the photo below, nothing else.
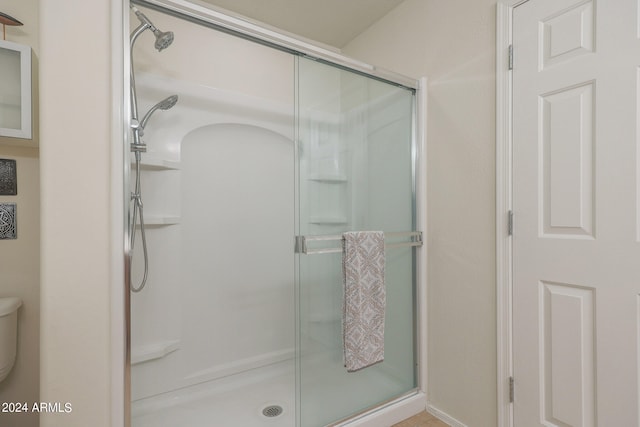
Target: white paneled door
(576, 233)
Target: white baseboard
(443, 416)
(391, 413)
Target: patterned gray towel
(364, 300)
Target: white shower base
(237, 400)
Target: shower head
(163, 39)
(165, 104)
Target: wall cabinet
(15, 90)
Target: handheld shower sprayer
(165, 104)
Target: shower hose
(138, 210)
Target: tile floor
(423, 419)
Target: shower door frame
(389, 412)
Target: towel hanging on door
(364, 298)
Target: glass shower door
(355, 173)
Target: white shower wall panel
(238, 245)
(220, 296)
(201, 105)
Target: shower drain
(272, 411)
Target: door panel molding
(567, 354)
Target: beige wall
(452, 42)
(20, 258)
(75, 140)
(20, 277)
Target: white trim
(392, 413)
(257, 31)
(119, 135)
(421, 207)
(443, 416)
(503, 206)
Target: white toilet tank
(8, 334)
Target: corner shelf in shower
(153, 351)
(330, 179)
(322, 220)
(154, 164)
(158, 220)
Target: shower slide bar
(302, 247)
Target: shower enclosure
(248, 183)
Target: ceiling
(333, 22)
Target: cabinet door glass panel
(15, 90)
